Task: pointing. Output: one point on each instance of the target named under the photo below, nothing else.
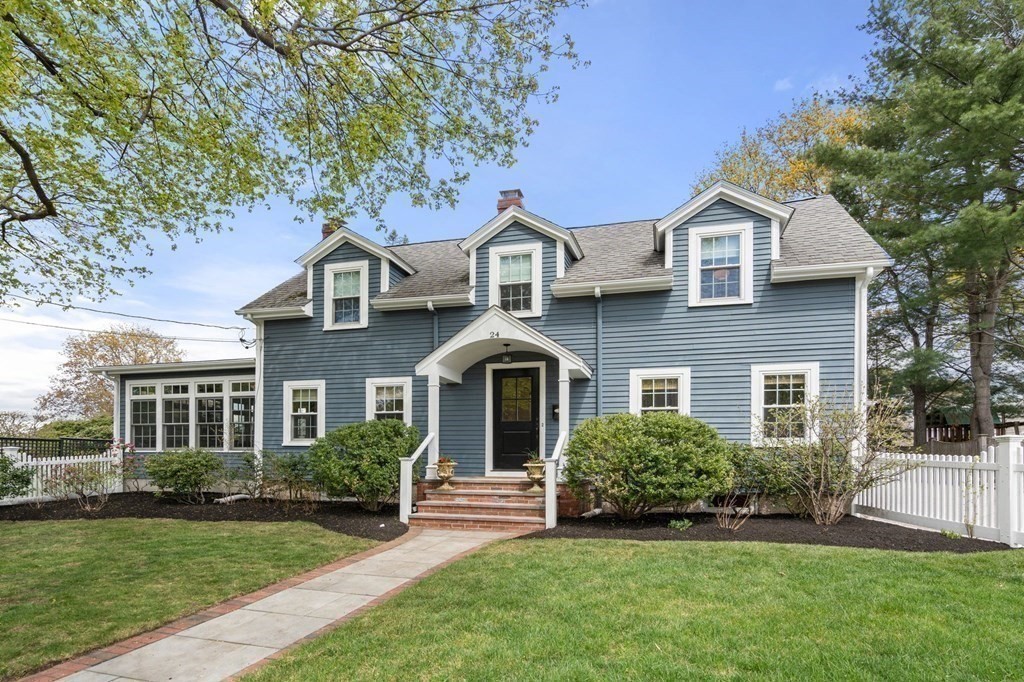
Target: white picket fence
(952, 492)
(44, 468)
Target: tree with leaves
(121, 120)
(17, 423)
(76, 392)
(775, 160)
(943, 143)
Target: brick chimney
(509, 197)
(331, 225)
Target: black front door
(516, 416)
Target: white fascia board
(342, 235)
(191, 366)
(276, 313)
(417, 302)
(731, 193)
(514, 214)
(617, 286)
(798, 273)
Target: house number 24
(495, 335)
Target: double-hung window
(515, 278)
(780, 395)
(659, 389)
(721, 264)
(303, 411)
(176, 416)
(143, 429)
(346, 295)
(243, 415)
(389, 398)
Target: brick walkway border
(92, 658)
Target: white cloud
(783, 84)
(827, 83)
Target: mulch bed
(850, 532)
(342, 517)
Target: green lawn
(70, 586)
(573, 609)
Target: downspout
(437, 331)
(599, 305)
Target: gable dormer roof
(729, 192)
(343, 235)
(516, 214)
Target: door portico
(483, 338)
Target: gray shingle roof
(820, 232)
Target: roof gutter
(422, 302)
(291, 312)
(191, 366)
(799, 273)
(614, 286)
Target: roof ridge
(616, 222)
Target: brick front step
(511, 524)
(484, 496)
(488, 484)
(531, 509)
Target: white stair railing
(405, 491)
(552, 467)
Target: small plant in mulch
(951, 534)
(680, 524)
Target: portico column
(433, 422)
(563, 398)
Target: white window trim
(192, 397)
(757, 375)
(405, 382)
(535, 249)
(331, 269)
(321, 411)
(682, 374)
(746, 232)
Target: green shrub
(184, 474)
(289, 477)
(636, 463)
(15, 481)
(680, 525)
(755, 476)
(361, 460)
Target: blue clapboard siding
(808, 321)
(232, 458)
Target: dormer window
(721, 264)
(346, 295)
(515, 278)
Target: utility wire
(102, 331)
(137, 317)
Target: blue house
(728, 308)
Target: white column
(563, 398)
(433, 422)
(1008, 497)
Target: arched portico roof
(485, 336)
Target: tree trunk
(982, 305)
(920, 395)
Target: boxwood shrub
(636, 463)
(361, 460)
(184, 475)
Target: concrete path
(230, 643)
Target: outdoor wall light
(506, 357)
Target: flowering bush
(90, 483)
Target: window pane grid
(347, 296)
(304, 413)
(210, 423)
(389, 401)
(243, 386)
(659, 394)
(210, 388)
(175, 389)
(516, 297)
(176, 423)
(516, 399)
(720, 266)
(144, 424)
(784, 400)
(243, 419)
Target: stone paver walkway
(238, 639)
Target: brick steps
(535, 510)
(513, 524)
(482, 504)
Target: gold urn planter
(445, 471)
(535, 472)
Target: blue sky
(670, 81)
